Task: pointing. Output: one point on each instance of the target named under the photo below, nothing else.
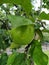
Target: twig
(27, 47)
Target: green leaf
(47, 4)
(17, 59)
(11, 59)
(46, 36)
(44, 16)
(17, 21)
(26, 4)
(45, 30)
(13, 45)
(4, 58)
(39, 32)
(44, 1)
(4, 39)
(36, 52)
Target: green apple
(22, 35)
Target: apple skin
(22, 35)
